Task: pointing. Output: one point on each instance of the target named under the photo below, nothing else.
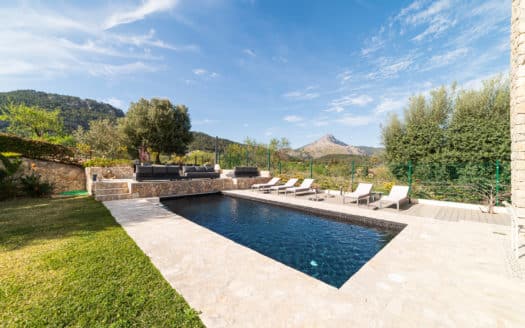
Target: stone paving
(435, 273)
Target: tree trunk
(157, 158)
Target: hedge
(36, 149)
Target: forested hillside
(74, 110)
(205, 142)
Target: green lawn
(66, 262)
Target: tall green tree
(102, 139)
(31, 122)
(158, 125)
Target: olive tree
(158, 125)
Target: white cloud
(148, 7)
(437, 26)
(429, 13)
(40, 43)
(199, 71)
(293, 118)
(249, 52)
(338, 105)
(372, 45)
(115, 102)
(301, 95)
(389, 105)
(352, 120)
(204, 73)
(389, 67)
(110, 70)
(344, 76)
(447, 58)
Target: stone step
(111, 191)
(105, 198)
(109, 185)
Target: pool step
(111, 190)
(109, 185)
(105, 198)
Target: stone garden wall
(65, 177)
(188, 187)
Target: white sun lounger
(397, 195)
(281, 188)
(361, 192)
(271, 183)
(305, 187)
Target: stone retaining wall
(188, 187)
(65, 177)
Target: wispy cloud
(340, 104)
(148, 7)
(447, 58)
(389, 105)
(115, 102)
(110, 70)
(344, 76)
(38, 42)
(292, 118)
(205, 73)
(355, 120)
(306, 94)
(249, 52)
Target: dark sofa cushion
(200, 169)
(172, 169)
(186, 169)
(159, 170)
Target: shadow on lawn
(24, 221)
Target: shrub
(36, 149)
(106, 162)
(8, 184)
(33, 186)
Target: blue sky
(259, 69)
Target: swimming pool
(324, 248)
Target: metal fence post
(409, 177)
(311, 168)
(497, 182)
(353, 174)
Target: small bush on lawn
(8, 184)
(33, 186)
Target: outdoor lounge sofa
(199, 172)
(271, 183)
(305, 187)
(157, 172)
(398, 194)
(361, 192)
(281, 188)
(245, 172)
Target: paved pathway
(435, 273)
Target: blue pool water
(326, 249)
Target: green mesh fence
(479, 183)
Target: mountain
(329, 145)
(205, 142)
(75, 111)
